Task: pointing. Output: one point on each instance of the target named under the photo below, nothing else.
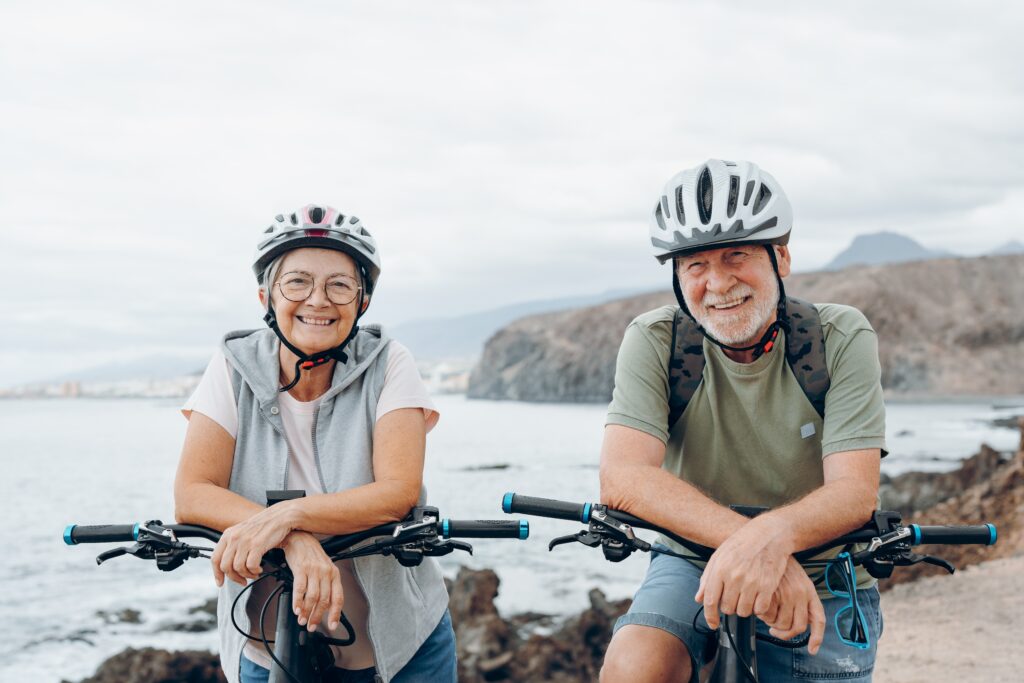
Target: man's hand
(795, 606)
(743, 574)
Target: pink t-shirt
(215, 398)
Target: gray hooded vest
(405, 604)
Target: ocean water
(113, 461)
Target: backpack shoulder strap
(685, 365)
(805, 351)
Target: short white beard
(743, 327)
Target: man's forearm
(832, 510)
(661, 498)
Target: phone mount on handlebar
(615, 537)
(155, 542)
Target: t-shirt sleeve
(854, 407)
(214, 397)
(403, 386)
(640, 396)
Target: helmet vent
(734, 195)
(705, 196)
(340, 219)
(680, 214)
(295, 219)
(279, 218)
(762, 198)
(269, 230)
(316, 214)
(749, 191)
(659, 216)
(353, 220)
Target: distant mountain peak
(1011, 247)
(883, 247)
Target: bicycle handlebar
(981, 534)
(485, 528)
(545, 507)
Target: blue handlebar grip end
(506, 503)
(524, 529)
(135, 531)
(992, 534)
(586, 513)
(67, 534)
(916, 530)
(444, 528)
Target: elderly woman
(320, 404)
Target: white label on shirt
(807, 430)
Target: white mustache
(737, 292)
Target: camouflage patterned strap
(805, 353)
(686, 366)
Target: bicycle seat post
(728, 666)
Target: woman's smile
(315, 321)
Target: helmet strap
(309, 361)
(767, 341)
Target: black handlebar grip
(102, 533)
(982, 534)
(544, 507)
(485, 528)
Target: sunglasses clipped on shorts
(841, 581)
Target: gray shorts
(665, 601)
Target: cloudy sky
(500, 152)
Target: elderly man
(741, 396)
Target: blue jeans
(434, 662)
(665, 601)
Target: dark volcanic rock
(920, 490)
(492, 649)
(149, 665)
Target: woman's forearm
(213, 506)
(345, 512)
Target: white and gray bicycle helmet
(322, 227)
(719, 203)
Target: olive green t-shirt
(749, 436)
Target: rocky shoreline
(535, 647)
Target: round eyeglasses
(297, 286)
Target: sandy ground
(964, 627)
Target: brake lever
(111, 554)
(909, 559)
(446, 547)
(587, 538)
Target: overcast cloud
(500, 152)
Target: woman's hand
(241, 547)
(317, 585)
(795, 606)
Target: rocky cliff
(945, 327)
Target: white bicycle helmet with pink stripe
(323, 227)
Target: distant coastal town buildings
(443, 377)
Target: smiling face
(316, 323)
(732, 292)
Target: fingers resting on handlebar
(316, 589)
